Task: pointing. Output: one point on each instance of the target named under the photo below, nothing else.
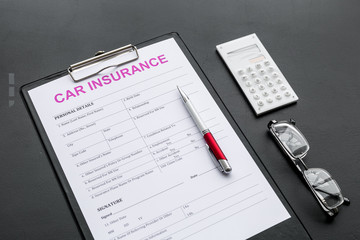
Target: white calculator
(257, 74)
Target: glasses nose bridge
(300, 165)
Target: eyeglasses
(322, 185)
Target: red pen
(215, 151)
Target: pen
(215, 152)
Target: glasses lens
(325, 187)
(292, 139)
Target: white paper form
(138, 165)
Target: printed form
(136, 162)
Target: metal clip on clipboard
(80, 71)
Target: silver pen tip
(183, 95)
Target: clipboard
(289, 226)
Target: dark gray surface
(315, 43)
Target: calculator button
(266, 78)
(287, 94)
(265, 94)
(278, 81)
(244, 78)
(248, 83)
(278, 97)
(260, 103)
(274, 90)
(270, 69)
(253, 75)
(252, 90)
(241, 71)
(261, 87)
(269, 100)
(258, 66)
(270, 84)
(256, 97)
(249, 69)
(262, 71)
(275, 75)
(266, 63)
(257, 81)
(283, 87)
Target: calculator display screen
(246, 55)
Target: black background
(316, 44)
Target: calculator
(262, 82)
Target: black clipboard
(290, 227)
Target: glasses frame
(301, 166)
